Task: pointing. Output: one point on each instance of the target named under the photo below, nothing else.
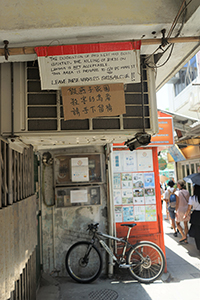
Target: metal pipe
(31, 50)
(110, 206)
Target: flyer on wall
(150, 212)
(139, 213)
(149, 180)
(138, 196)
(130, 161)
(126, 180)
(128, 213)
(145, 160)
(138, 180)
(118, 214)
(116, 181)
(117, 197)
(127, 196)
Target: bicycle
(145, 260)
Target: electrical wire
(181, 10)
(176, 20)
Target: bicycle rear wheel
(147, 260)
(83, 262)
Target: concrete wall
(61, 227)
(65, 13)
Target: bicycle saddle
(129, 225)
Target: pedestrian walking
(194, 202)
(182, 198)
(171, 206)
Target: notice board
(83, 64)
(84, 102)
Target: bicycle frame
(98, 234)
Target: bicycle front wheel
(83, 262)
(147, 262)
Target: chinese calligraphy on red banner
(84, 102)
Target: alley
(180, 282)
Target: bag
(172, 200)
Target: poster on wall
(130, 161)
(139, 213)
(117, 181)
(127, 196)
(126, 180)
(149, 180)
(138, 180)
(150, 211)
(118, 214)
(150, 200)
(134, 186)
(138, 196)
(128, 213)
(117, 197)
(145, 160)
(117, 161)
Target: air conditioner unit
(194, 100)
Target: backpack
(172, 199)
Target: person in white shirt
(194, 202)
(171, 210)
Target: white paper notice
(118, 214)
(117, 197)
(79, 169)
(130, 161)
(78, 196)
(138, 180)
(117, 161)
(139, 213)
(89, 68)
(144, 159)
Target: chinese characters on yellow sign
(84, 102)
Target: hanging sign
(165, 136)
(176, 153)
(84, 102)
(83, 64)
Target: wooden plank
(31, 50)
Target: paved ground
(181, 282)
